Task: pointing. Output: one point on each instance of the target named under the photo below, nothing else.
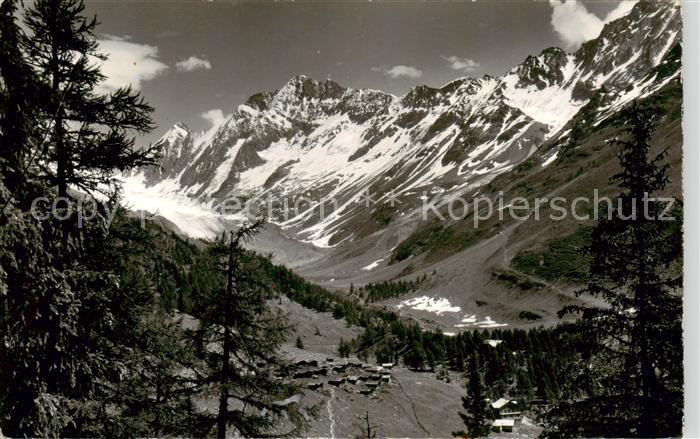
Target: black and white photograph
(345, 219)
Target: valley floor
(411, 404)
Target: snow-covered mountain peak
(178, 132)
(260, 101)
(629, 47)
(318, 140)
(306, 97)
(544, 70)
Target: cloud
(215, 117)
(461, 64)
(620, 11)
(169, 34)
(116, 37)
(574, 24)
(128, 63)
(400, 71)
(193, 63)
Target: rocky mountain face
(326, 148)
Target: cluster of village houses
(352, 375)
(358, 377)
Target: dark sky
(255, 46)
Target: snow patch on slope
(373, 265)
(436, 305)
(552, 106)
(223, 171)
(472, 321)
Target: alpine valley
(373, 176)
(471, 260)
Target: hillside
(336, 390)
(499, 256)
(346, 176)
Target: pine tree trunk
(61, 160)
(52, 321)
(58, 124)
(61, 155)
(61, 174)
(5, 375)
(647, 422)
(223, 398)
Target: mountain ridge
(319, 141)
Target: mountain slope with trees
(93, 311)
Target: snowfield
(471, 321)
(193, 218)
(436, 305)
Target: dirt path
(331, 418)
(508, 266)
(413, 407)
(539, 280)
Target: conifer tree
(18, 94)
(65, 345)
(33, 397)
(13, 143)
(151, 394)
(474, 403)
(236, 317)
(32, 291)
(629, 380)
(416, 357)
(90, 132)
(343, 348)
